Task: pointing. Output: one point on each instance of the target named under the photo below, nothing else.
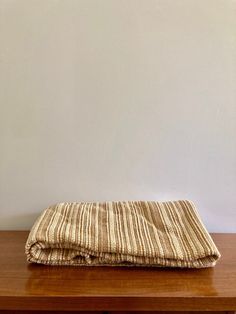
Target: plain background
(117, 100)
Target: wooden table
(25, 287)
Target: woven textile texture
(128, 233)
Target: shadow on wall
(24, 221)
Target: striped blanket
(140, 233)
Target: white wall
(117, 100)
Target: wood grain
(106, 312)
(63, 288)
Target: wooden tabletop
(38, 287)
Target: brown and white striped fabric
(125, 233)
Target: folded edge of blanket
(35, 248)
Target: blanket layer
(128, 233)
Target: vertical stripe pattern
(125, 233)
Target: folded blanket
(122, 233)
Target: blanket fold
(128, 233)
